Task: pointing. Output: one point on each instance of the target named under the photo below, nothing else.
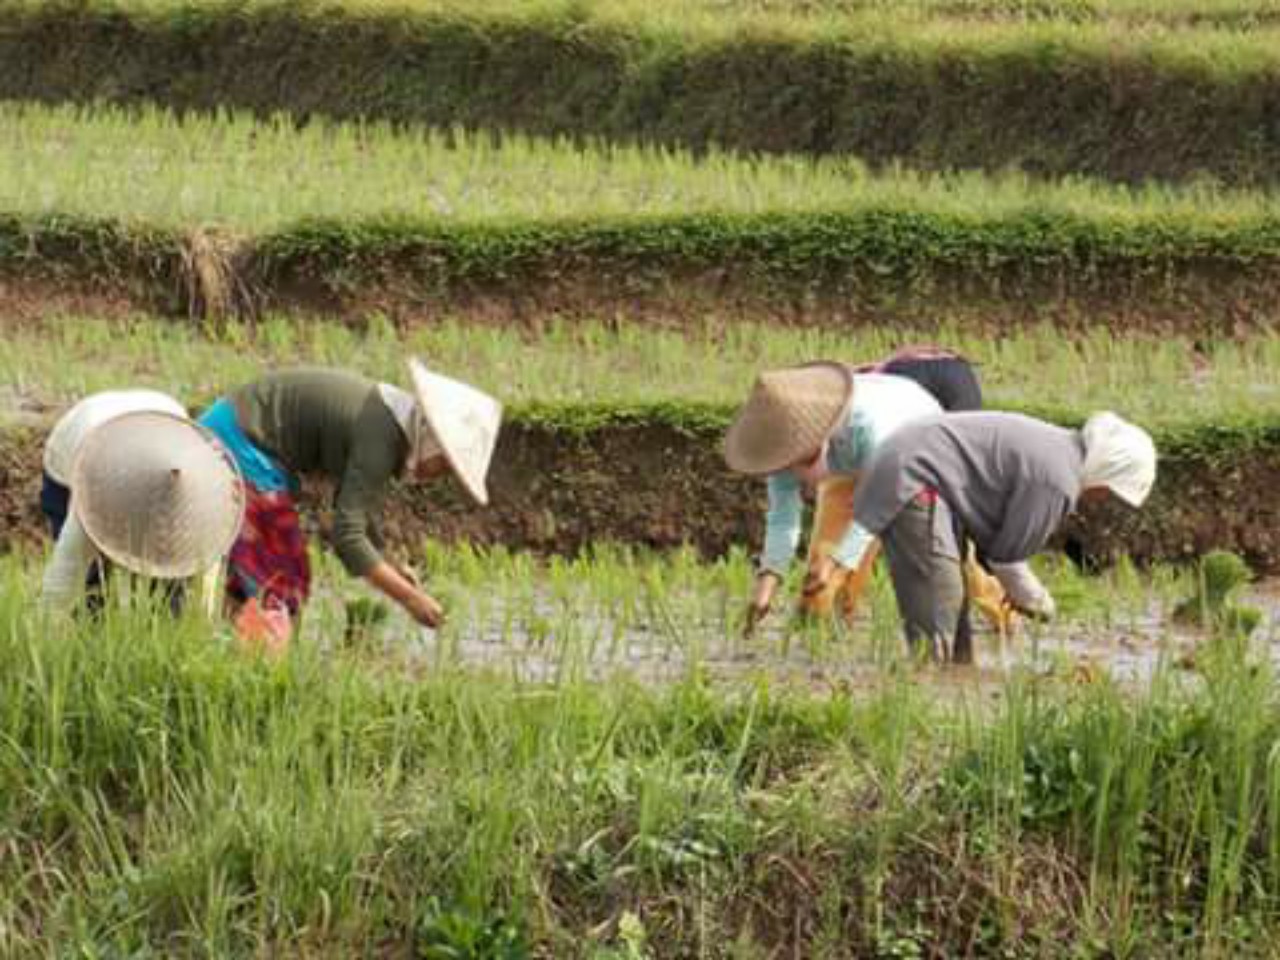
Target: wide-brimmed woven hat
(788, 415)
(465, 423)
(157, 494)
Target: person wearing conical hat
(1005, 481)
(360, 434)
(810, 428)
(145, 489)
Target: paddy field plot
(1167, 381)
(249, 175)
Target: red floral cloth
(269, 559)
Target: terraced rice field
(612, 214)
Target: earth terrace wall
(861, 266)
(565, 477)
(1056, 98)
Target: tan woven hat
(465, 422)
(788, 415)
(156, 494)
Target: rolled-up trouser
(925, 562)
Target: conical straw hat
(465, 423)
(156, 494)
(788, 415)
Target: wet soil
(540, 637)
(663, 485)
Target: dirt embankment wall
(837, 268)
(657, 480)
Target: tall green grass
(1229, 14)
(812, 18)
(160, 793)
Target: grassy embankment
(229, 215)
(1051, 96)
(159, 793)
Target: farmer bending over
(360, 434)
(130, 480)
(1003, 480)
(811, 429)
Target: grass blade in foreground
(158, 792)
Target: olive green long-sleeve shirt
(316, 420)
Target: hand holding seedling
(425, 609)
(401, 585)
(819, 575)
(761, 601)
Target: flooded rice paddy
(656, 622)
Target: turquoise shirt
(881, 404)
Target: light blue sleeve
(782, 525)
(865, 433)
(848, 553)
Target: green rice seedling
(1148, 380)
(160, 793)
(364, 616)
(252, 176)
(1221, 575)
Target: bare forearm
(405, 592)
(392, 583)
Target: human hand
(425, 609)
(1042, 611)
(818, 577)
(761, 600)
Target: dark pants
(951, 380)
(926, 559)
(55, 504)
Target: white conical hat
(157, 494)
(464, 421)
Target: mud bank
(654, 477)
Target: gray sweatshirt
(1009, 479)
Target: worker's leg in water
(924, 562)
(832, 517)
(172, 593)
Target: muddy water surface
(545, 636)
